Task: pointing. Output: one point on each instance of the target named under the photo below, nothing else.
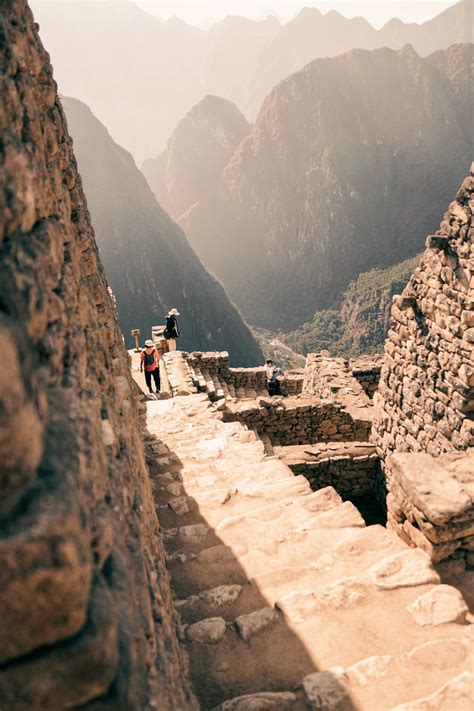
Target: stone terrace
(210, 373)
(333, 408)
(283, 592)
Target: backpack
(149, 358)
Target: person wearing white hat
(171, 332)
(150, 362)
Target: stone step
(225, 389)
(342, 688)
(293, 564)
(266, 701)
(285, 597)
(247, 657)
(376, 683)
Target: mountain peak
(308, 13)
(200, 147)
(409, 52)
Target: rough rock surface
(198, 151)
(309, 627)
(425, 401)
(149, 263)
(85, 604)
(440, 605)
(307, 203)
(426, 389)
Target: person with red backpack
(150, 363)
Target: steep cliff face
(86, 616)
(148, 260)
(342, 172)
(234, 46)
(139, 74)
(358, 322)
(198, 151)
(98, 48)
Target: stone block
(208, 631)
(436, 492)
(406, 569)
(254, 622)
(440, 605)
(325, 692)
(71, 673)
(263, 701)
(46, 557)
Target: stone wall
(366, 370)
(426, 392)
(215, 366)
(425, 400)
(298, 420)
(85, 606)
(351, 468)
(332, 378)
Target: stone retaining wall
(366, 370)
(217, 364)
(299, 420)
(328, 377)
(85, 604)
(350, 468)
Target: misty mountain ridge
(312, 34)
(198, 151)
(149, 263)
(100, 49)
(343, 171)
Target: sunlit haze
(205, 12)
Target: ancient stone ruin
(214, 547)
(85, 605)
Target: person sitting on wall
(150, 362)
(273, 372)
(171, 332)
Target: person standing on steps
(172, 331)
(150, 362)
(272, 371)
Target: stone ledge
(431, 502)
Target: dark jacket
(172, 327)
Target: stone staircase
(287, 600)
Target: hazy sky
(203, 12)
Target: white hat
(149, 343)
(174, 312)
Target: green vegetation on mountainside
(357, 323)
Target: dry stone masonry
(426, 393)
(210, 372)
(431, 504)
(85, 604)
(302, 420)
(425, 401)
(366, 370)
(225, 541)
(351, 468)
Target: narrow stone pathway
(286, 598)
